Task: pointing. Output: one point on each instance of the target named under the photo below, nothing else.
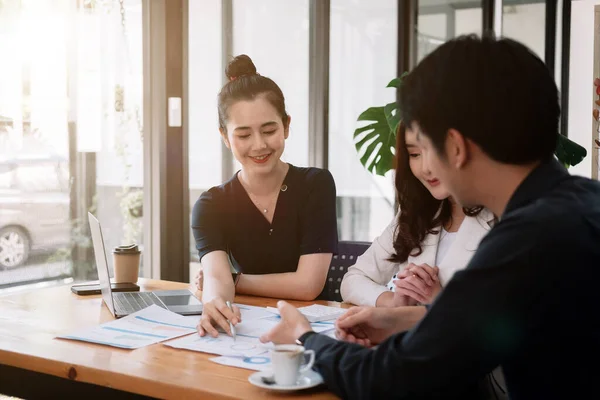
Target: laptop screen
(101, 262)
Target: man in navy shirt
(486, 115)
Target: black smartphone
(87, 289)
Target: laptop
(122, 304)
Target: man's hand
(215, 313)
(418, 282)
(293, 325)
(367, 326)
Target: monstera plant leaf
(376, 141)
(568, 152)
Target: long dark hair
(246, 84)
(420, 213)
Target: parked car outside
(34, 207)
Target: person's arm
(384, 323)
(208, 229)
(391, 320)
(458, 340)
(218, 288)
(304, 284)
(364, 283)
(217, 277)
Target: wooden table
(34, 364)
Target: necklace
(271, 199)
(260, 206)
(254, 199)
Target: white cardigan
(366, 280)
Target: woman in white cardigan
(430, 239)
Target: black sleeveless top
(305, 222)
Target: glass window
(363, 59)
(526, 22)
(439, 21)
(274, 34)
(205, 79)
(70, 134)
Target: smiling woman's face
(256, 135)
(420, 170)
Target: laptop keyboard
(127, 303)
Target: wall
(581, 79)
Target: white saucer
(307, 380)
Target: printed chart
(246, 351)
(150, 325)
(247, 341)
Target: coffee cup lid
(127, 249)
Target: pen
(230, 324)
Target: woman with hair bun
(272, 222)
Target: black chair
(346, 257)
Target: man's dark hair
(496, 92)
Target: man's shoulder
(567, 213)
(572, 200)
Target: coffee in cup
(287, 363)
(126, 262)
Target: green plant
(131, 205)
(376, 141)
(85, 267)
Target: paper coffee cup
(126, 262)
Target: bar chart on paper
(148, 326)
(246, 351)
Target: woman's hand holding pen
(419, 282)
(216, 313)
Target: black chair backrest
(346, 257)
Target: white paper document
(253, 312)
(248, 313)
(318, 327)
(257, 363)
(317, 312)
(260, 359)
(246, 351)
(148, 326)
(246, 343)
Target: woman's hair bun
(239, 66)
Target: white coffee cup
(287, 359)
